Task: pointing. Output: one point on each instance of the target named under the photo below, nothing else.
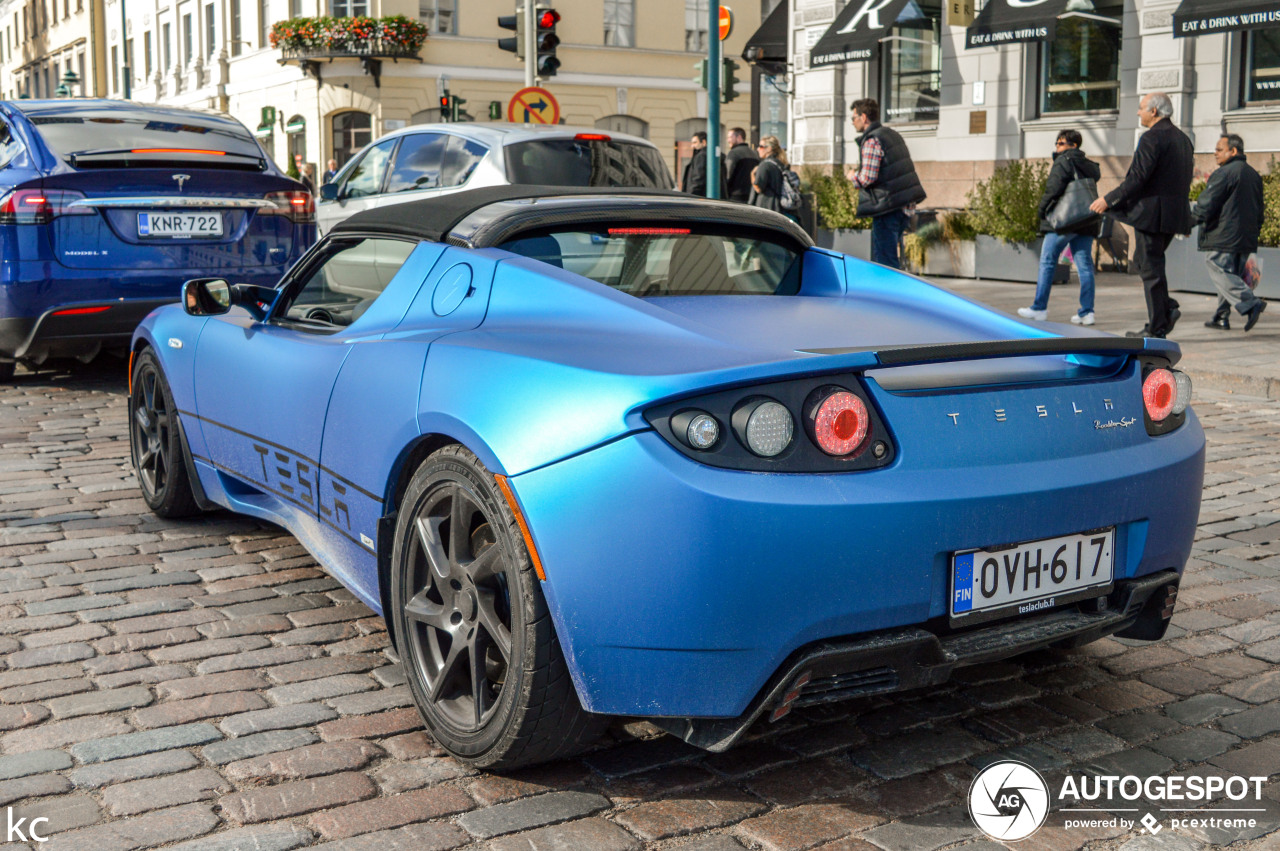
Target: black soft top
(478, 218)
(434, 218)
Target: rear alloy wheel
(472, 627)
(159, 460)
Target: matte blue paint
(678, 588)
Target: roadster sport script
(1030, 577)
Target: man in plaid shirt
(888, 186)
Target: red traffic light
(548, 19)
(444, 102)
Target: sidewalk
(1231, 361)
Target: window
(295, 8)
(576, 162)
(210, 30)
(695, 26)
(146, 53)
(1261, 66)
(365, 177)
(911, 64)
(83, 81)
(187, 38)
(115, 69)
(675, 264)
(418, 162)
(1081, 66)
(237, 33)
(619, 18)
(351, 132)
(264, 22)
(345, 284)
(168, 49)
(460, 160)
(349, 8)
(128, 54)
(438, 15)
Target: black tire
(472, 627)
(7, 368)
(159, 459)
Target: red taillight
(647, 231)
(179, 151)
(1159, 394)
(81, 311)
(299, 206)
(594, 137)
(33, 207)
(840, 424)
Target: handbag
(1072, 208)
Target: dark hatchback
(106, 207)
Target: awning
(769, 43)
(264, 131)
(1011, 21)
(297, 124)
(1202, 17)
(855, 35)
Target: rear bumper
(911, 657)
(59, 333)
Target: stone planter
(950, 260)
(855, 243)
(1184, 267)
(1007, 261)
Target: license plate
(181, 225)
(1021, 579)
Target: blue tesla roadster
(626, 452)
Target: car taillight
(839, 421)
(764, 426)
(34, 207)
(299, 206)
(1160, 394)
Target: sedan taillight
(34, 207)
(299, 206)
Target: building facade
(40, 40)
(626, 66)
(970, 91)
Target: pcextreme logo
(1009, 801)
(14, 828)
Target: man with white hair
(1153, 201)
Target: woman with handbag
(1066, 221)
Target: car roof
(495, 133)
(478, 218)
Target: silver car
(434, 159)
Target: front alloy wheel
(472, 627)
(159, 460)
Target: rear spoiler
(935, 352)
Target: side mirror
(206, 296)
(329, 192)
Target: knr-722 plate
(1025, 578)
(180, 225)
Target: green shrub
(1004, 206)
(916, 245)
(836, 199)
(956, 226)
(1197, 187)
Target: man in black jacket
(1230, 211)
(887, 181)
(739, 162)
(695, 173)
(1153, 200)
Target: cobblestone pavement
(204, 686)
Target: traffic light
(455, 108)
(728, 81)
(700, 72)
(446, 106)
(546, 40)
(495, 110)
(513, 22)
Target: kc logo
(13, 829)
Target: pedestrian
(695, 172)
(1230, 212)
(1069, 164)
(308, 177)
(331, 171)
(739, 162)
(768, 176)
(1152, 199)
(886, 178)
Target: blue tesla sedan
(635, 453)
(107, 206)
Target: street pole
(530, 46)
(713, 99)
(124, 51)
